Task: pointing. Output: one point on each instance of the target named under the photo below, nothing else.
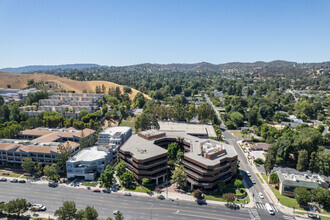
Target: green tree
(302, 160)
(237, 118)
(302, 195)
(269, 162)
(106, 177)
(91, 213)
(2, 100)
(323, 162)
(172, 150)
(145, 182)
(127, 178)
(119, 216)
(179, 177)
(238, 184)
(121, 168)
(52, 172)
(274, 178)
(321, 128)
(16, 206)
(68, 211)
(139, 100)
(321, 196)
(312, 162)
(28, 164)
(205, 112)
(64, 152)
(221, 186)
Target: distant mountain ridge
(276, 65)
(47, 67)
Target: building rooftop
(189, 128)
(89, 154)
(307, 181)
(142, 148)
(113, 131)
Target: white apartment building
(89, 162)
(114, 136)
(69, 104)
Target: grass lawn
(238, 133)
(16, 175)
(215, 196)
(90, 183)
(261, 180)
(324, 217)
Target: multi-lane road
(133, 207)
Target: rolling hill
(47, 67)
(19, 81)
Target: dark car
(53, 184)
(3, 180)
(14, 181)
(97, 190)
(106, 191)
(22, 181)
(161, 197)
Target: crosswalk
(262, 206)
(254, 215)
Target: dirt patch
(19, 81)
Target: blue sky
(162, 31)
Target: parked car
(248, 173)
(253, 181)
(261, 195)
(106, 191)
(127, 194)
(115, 212)
(3, 180)
(22, 181)
(53, 184)
(97, 190)
(38, 207)
(161, 197)
(233, 206)
(14, 180)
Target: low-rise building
(206, 162)
(89, 162)
(40, 144)
(69, 104)
(12, 152)
(288, 182)
(17, 95)
(114, 136)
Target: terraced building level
(206, 162)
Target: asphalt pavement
(133, 207)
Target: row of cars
(13, 180)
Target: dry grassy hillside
(19, 81)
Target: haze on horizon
(117, 34)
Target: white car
(261, 195)
(115, 212)
(39, 207)
(248, 173)
(253, 181)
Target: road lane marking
(102, 202)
